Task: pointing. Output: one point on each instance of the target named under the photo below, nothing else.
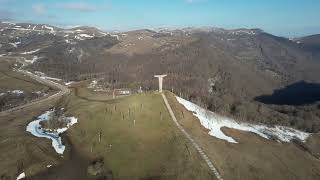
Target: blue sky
(289, 18)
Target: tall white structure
(160, 77)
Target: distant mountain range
(223, 70)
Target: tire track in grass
(195, 145)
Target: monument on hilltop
(160, 77)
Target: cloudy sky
(281, 17)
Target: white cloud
(39, 9)
(78, 6)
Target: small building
(124, 92)
(121, 92)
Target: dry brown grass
(254, 157)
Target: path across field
(198, 148)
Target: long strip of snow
(43, 76)
(85, 35)
(35, 129)
(31, 52)
(215, 122)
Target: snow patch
(6, 22)
(21, 176)
(93, 84)
(69, 41)
(35, 129)
(69, 83)
(103, 33)
(49, 28)
(20, 29)
(215, 122)
(16, 92)
(34, 59)
(31, 52)
(43, 76)
(115, 35)
(241, 32)
(15, 44)
(85, 35)
(39, 93)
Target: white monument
(160, 77)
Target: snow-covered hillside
(215, 122)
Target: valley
(82, 103)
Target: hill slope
(222, 70)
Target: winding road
(63, 90)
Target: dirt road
(63, 90)
(195, 145)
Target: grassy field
(19, 150)
(138, 141)
(254, 157)
(11, 80)
(134, 138)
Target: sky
(290, 18)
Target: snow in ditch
(31, 52)
(35, 129)
(215, 122)
(69, 83)
(16, 92)
(21, 176)
(43, 76)
(34, 59)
